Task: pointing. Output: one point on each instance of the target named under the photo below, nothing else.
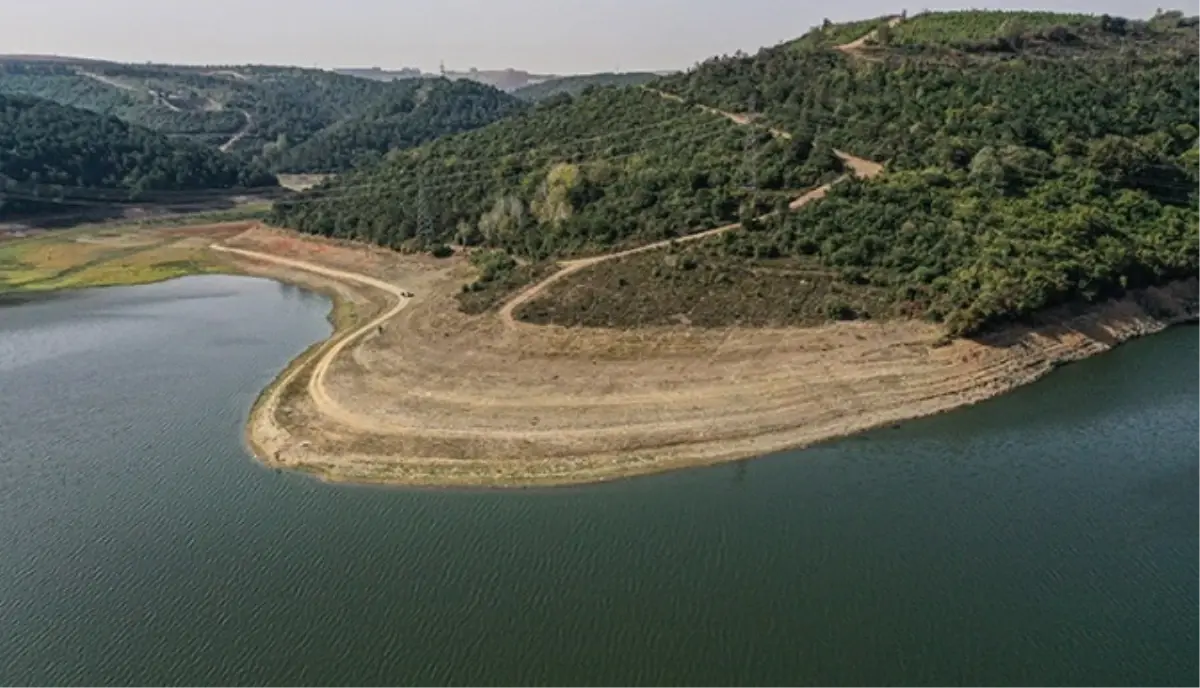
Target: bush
(836, 309)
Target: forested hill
(615, 166)
(301, 120)
(412, 112)
(44, 146)
(574, 85)
(1032, 158)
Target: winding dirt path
(856, 46)
(241, 133)
(316, 382)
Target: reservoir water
(1045, 537)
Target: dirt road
(316, 382)
(855, 47)
(228, 145)
(442, 398)
(127, 87)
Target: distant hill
(574, 85)
(262, 113)
(417, 111)
(52, 151)
(507, 80)
(383, 74)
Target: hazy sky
(562, 36)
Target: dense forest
(614, 166)
(414, 112)
(575, 85)
(1033, 159)
(292, 119)
(50, 151)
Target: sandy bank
(441, 398)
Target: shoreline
(649, 466)
(285, 430)
(646, 465)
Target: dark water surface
(1046, 537)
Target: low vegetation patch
(500, 276)
(704, 285)
(105, 257)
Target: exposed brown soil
(300, 182)
(442, 398)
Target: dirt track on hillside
(240, 134)
(127, 87)
(859, 167)
(855, 47)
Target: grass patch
(96, 258)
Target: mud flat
(412, 391)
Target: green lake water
(1046, 537)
